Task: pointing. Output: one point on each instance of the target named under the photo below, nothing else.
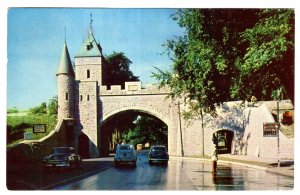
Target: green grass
(18, 125)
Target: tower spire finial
(91, 22)
(65, 35)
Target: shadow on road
(30, 175)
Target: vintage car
(62, 157)
(125, 154)
(158, 154)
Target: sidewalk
(268, 164)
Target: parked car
(62, 157)
(125, 154)
(158, 154)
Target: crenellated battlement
(133, 88)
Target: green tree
(52, 106)
(118, 69)
(268, 63)
(216, 60)
(41, 109)
(230, 54)
(147, 130)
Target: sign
(270, 129)
(39, 128)
(28, 136)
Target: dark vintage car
(62, 157)
(158, 154)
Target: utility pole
(180, 128)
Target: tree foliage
(268, 63)
(147, 130)
(52, 106)
(225, 53)
(41, 109)
(118, 69)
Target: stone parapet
(133, 88)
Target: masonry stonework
(65, 95)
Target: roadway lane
(181, 175)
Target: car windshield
(161, 149)
(126, 147)
(61, 150)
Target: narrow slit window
(88, 74)
(88, 97)
(67, 96)
(80, 97)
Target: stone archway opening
(224, 138)
(133, 127)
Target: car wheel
(150, 162)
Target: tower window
(88, 97)
(88, 74)
(80, 97)
(67, 96)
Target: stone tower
(89, 71)
(65, 86)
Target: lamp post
(278, 130)
(278, 121)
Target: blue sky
(36, 37)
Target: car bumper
(125, 161)
(158, 159)
(57, 164)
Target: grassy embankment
(18, 124)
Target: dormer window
(89, 47)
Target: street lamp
(278, 93)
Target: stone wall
(132, 88)
(65, 85)
(35, 150)
(87, 113)
(156, 105)
(255, 144)
(93, 64)
(229, 117)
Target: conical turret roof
(65, 64)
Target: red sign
(271, 129)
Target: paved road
(181, 175)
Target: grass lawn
(17, 125)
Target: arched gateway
(84, 97)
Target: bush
(12, 110)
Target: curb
(226, 162)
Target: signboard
(28, 136)
(39, 128)
(270, 129)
